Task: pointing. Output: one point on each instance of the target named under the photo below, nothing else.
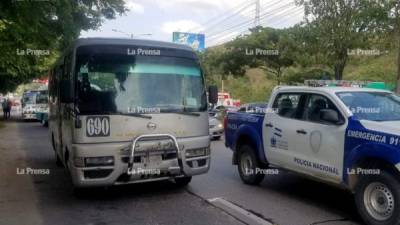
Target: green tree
(342, 25)
(266, 48)
(49, 26)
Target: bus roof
(126, 41)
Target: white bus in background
(34, 101)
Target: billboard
(196, 41)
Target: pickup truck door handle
(269, 125)
(301, 131)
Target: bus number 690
(97, 126)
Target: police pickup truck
(348, 137)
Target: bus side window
(51, 86)
(67, 68)
(58, 77)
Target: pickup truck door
(319, 145)
(278, 129)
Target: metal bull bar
(175, 142)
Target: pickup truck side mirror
(212, 94)
(66, 95)
(331, 116)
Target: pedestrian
(4, 105)
(9, 106)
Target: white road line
(238, 212)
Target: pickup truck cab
(348, 137)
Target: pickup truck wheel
(182, 181)
(247, 166)
(378, 199)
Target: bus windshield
(376, 106)
(29, 98)
(35, 97)
(42, 97)
(119, 82)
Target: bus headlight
(99, 161)
(197, 152)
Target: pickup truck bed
(247, 126)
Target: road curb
(238, 212)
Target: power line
(263, 16)
(230, 23)
(239, 7)
(223, 38)
(234, 23)
(229, 17)
(289, 11)
(281, 21)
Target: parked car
(216, 128)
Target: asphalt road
(283, 199)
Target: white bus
(32, 102)
(126, 111)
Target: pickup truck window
(316, 103)
(376, 106)
(287, 104)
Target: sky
(219, 20)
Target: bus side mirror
(66, 95)
(212, 94)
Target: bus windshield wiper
(187, 113)
(136, 115)
(119, 113)
(177, 109)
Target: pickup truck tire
(378, 199)
(247, 166)
(182, 181)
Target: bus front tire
(378, 199)
(247, 166)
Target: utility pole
(257, 16)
